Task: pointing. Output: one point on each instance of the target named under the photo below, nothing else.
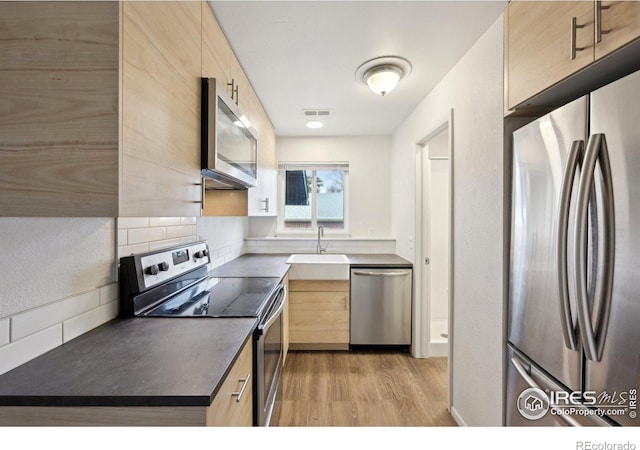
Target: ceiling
(304, 54)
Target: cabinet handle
(574, 27)
(266, 204)
(234, 90)
(240, 393)
(598, 27)
(202, 185)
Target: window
(314, 195)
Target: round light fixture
(314, 124)
(383, 74)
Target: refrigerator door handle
(533, 384)
(573, 161)
(593, 339)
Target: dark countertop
(382, 261)
(151, 361)
(254, 265)
(275, 265)
(132, 362)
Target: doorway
(434, 245)
(435, 240)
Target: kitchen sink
(318, 267)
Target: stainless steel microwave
(229, 143)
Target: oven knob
(151, 270)
(205, 252)
(199, 255)
(163, 266)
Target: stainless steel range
(174, 283)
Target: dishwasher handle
(382, 274)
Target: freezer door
(615, 113)
(522, 376)
(541, 150)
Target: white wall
(474, 89)
(369, 177)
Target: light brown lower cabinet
(229, 408)
(233, 404)
(318, 315)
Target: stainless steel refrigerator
(573, 350)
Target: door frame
(421, 320)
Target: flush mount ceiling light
(383, 74)
(314, 124)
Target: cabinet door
(229, 408)
(161, 109)
(539, 45)
(216, 53)
(319, 318)
(620, 24)
(241, 83)
(263, 200)
(59, 109)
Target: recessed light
(314, 124)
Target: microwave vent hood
(229, 145)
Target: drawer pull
(240, 393)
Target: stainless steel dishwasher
(381, 306)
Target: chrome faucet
(319, 248)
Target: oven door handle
(275, 312)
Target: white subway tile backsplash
(166, 243)
(4, 332)
(335, 245)
(139, 235)
(109, 293)
(122, 237)
(38, 319)
(78, 325)
(180, 231)
(188, 220)
(164, 221)
(132, 222)
(23, 350)
(132, 249)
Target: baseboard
(457, 417)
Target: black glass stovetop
(219, 297)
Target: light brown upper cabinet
(619, 24)
(59, 121)
(539, 45)
(161, 109)
(219, 61)
(100, 108)
(546, 42)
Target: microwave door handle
(274, 315)
(573, 162)
(593, 341)
(533, 384)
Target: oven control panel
(164, 265)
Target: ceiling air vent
(316, 112)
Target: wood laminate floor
(364, 388)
